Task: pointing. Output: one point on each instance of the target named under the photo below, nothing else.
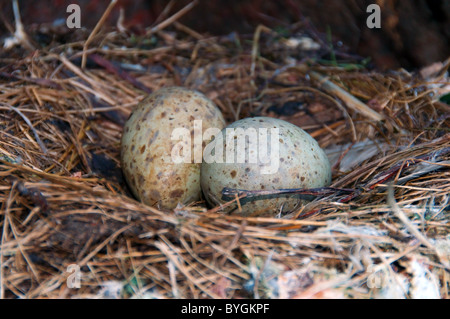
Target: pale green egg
(297, 161)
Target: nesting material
(65, 207)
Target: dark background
(413, 33)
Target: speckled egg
(290, 159)
(148, 144)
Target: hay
(65, 206)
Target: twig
(119, 72)
(94, 32)
(171, 255)
(86, 78)
(7, 219)
(41, 145)
(222, 206)
(165, 12)
(349, 99)
(39, 81)
(394, 170)
(424, 170)
(173, 18)
(173, 280)
(188, 30)
(410, 226)
(119, 24)
(321, 191)
(256, 36)
(405, 220)
(19, 35)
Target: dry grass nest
(71, 229)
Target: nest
(71, 229)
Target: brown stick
(349, 99)
(119, 72)
(94, 32)
(174, 17)
(38, 140)
(322, 191)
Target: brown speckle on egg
(176, 193)
(146, 141)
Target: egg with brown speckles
(263, 153)
(148, 144)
